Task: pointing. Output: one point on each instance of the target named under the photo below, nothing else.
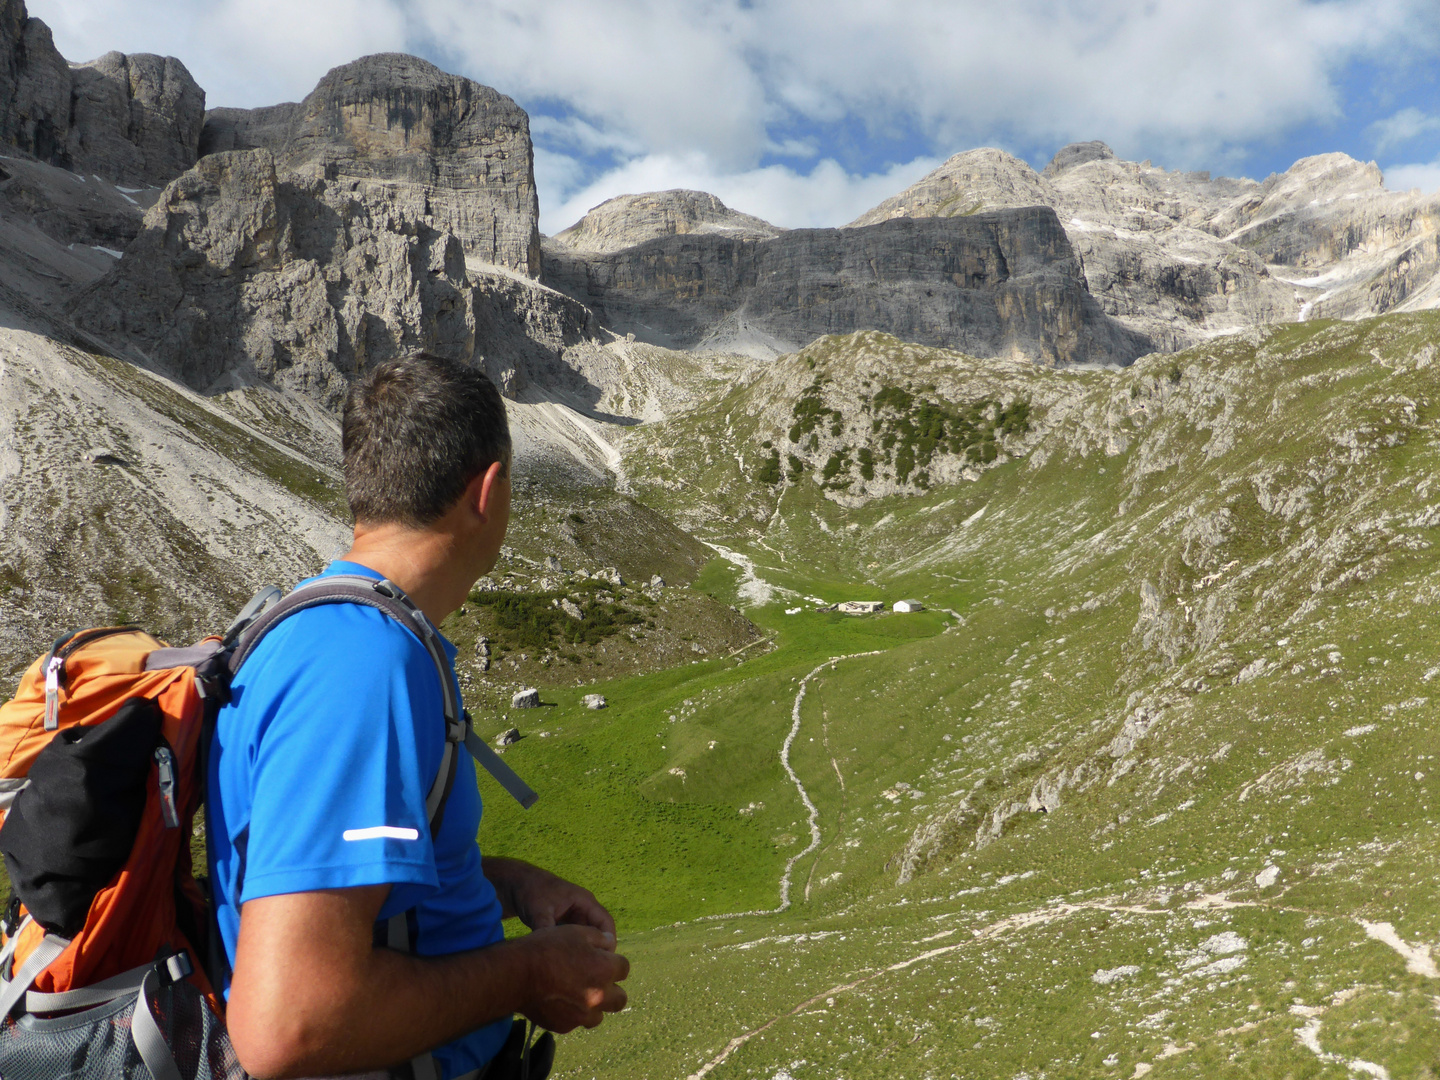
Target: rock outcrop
(34, 86)
(1181, 257)
(1151, 259)
(968, 183)
(1140, 232)
(1002, 283)
(524, 331)
(240, 275)
(1331, 230)
(628, 220)
(130, 119)
(453, 150)
(135, 119)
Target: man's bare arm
(312, 996)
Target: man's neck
(420, 561)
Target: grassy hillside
(1156, 800)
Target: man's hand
(574, 972)
(542, 900)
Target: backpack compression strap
(251, 626)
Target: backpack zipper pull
(52, 692)
(165, 767)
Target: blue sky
(808, 112)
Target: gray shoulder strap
(250, 628)
(145, 1031)
(12, 990)
(505, 776)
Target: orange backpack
(103, 701)
(102, 770)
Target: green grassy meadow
(1159, 802)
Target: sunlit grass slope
(1158, 800)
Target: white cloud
(1405, 177)
(1407, 124)
(1170, 75)
(698, 92)
(826, 196)
(243, 53)
(717, 75)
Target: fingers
(610, 1000)
(584, 910)
(589, 912)
(560, 1015)
(615, 999)
(581, 967)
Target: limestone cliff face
(1004, 283)
(628, 220)
(1151, 259)
(1181, 257)
(1140, 232)
(130, 119)
(34, 86)
(135, 118)
(454, 150)
(1349, 247)
(968, 183)
(241, 276)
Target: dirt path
(813, 814)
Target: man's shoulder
(339, 627)
(343, 640)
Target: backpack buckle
(174, 968)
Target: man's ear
(481, 492)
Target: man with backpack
(360, 921)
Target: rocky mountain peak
(34, 85)
(131, 119)
(1067, 157)
(969, 182)
(461, 149)
(135, 117)
(627, 220)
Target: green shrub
(922, 428)
(768, 471)
(532, 621)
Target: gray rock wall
(130, 119)
(239, 275)
(461, 150)
(1142, 234)
(34, 86)
(523, 331)
(135, 118)
(1003, 283)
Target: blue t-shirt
(319, 770)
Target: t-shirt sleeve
(345, 751)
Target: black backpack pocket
(71, 829)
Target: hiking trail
(810, 808)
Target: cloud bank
(801, 110)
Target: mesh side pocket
(95, 1044)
